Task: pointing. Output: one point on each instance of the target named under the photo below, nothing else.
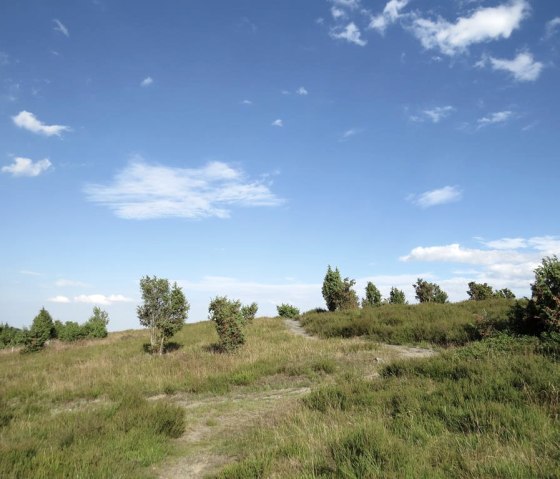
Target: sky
(239, 148)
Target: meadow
(342, 404)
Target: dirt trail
(296, 328)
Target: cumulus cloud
(484, 25)
(351, 33)
(278, 123)
(440, 196)
(302, 91)
(494, 118)
(28, 121)
(60, 299)
(146, 81)
(391, 13)
(337, 13)
(27, 167)
(60, 27)
(101, 299)
(143, 191)
(438, 113)
(523, 67)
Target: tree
(480, 291)
(429, 292)
(338, 293)
(287, 311)
(42, 329)
(164, 311)
(96, 325)
(230, 319)
(373, 295)
(544, 307)
(504, 293)
(396, 296)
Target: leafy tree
(338, 293)
(332, 285)
(480, 291)
(230, 319)
(504, 293)
(544, 307)
(96, 325)
(70, 331)
(429, 292)
(10, 336)
(396, 296)
(42, 329)
(373, 295)
(287, 311)
(164, 311)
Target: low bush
(287, 311)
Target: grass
(285, 406)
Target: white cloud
(28, 121)
(143, 191)
(70, 282)
(552, 27)
(350, 33)
(59, 27)
(351, 4)
(438, 113)
(391, 13)
(350, 133)
(27, 167)
(485, 24)
(278, 123)
(337, 13)
(523, 67)
(506, 243)
(146, 81)
(102, 299)
(441, 196)
(30, 273)
(60, 299)
(302, 91)
(246, 102)
(498, 117)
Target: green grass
(442, 324)
(285, 406)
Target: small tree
(96, 325)
(504, 293)
(287, 311)
(42, 329)
(429, 292)
(230, 319)
(396, 296)
(164, 311)
(338, 293)
(480, 291)
(373, 295)
(544, 307)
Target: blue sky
(241, 147)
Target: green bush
(42, 329)
(396, 296)
(544, 307)
(429, 292)
(230, 319)
(287, 311)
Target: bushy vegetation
(287, 311)
(338, 292)
(230, 318)
(482, 291)
(94, 328)
(164, 311)
(373, 296)
(427, 292)
(42, 329)
(396, 296)
(10, 336)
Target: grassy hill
(287, 406)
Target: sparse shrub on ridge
(544, 307)
(396, 296)
(42, 329)
(230, 319)
(287, 311)
(338, 293)
(373, 295)
(427, 292)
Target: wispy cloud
(440, 196)
(351, 4)
(60, 299)
(147, 82)
(436, 114)
(246, 102)
(494, 118)
(338, 13)
(552, 27)
(391, 13)
(60, 27)
(351, 33)
(28, 121)
(346, 135)
(27, 167)
(302, 91)
(30, 273)
(484, 25)
(143, 191)
(279, 123)
(523, 67)
(102, 299)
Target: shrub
(396, 296)
(544, 307)
(42, 329)
(287, 311)
(429, 292)
(230, 319)
(10, 336)
(480, 291)
(338, 293)
(96, 325)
